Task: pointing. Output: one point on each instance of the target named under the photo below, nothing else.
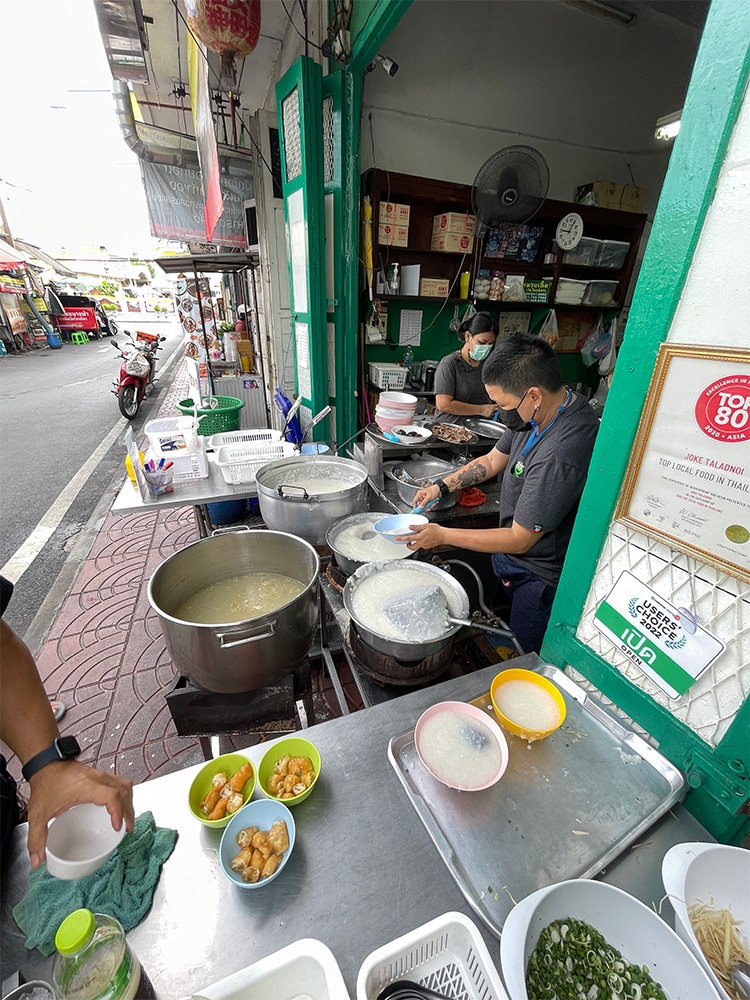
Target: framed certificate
(688, 479)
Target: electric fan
(510, 186)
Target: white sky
(76, 182)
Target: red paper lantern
(229, 27)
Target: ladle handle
(253, 637)
(508, 633)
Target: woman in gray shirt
(459, 389)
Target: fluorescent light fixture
(668, 126)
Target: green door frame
(718, 778)
(301, 141)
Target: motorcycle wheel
(127, 400)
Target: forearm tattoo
(471, 474)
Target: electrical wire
(303, 37)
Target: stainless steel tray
(565, 807)
(453, 444)
(489, 429)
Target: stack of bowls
(395, 409)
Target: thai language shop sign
(665, 642)
(688, 481)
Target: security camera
(388, 65)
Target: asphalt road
(55, 410)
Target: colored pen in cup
(168, 466)
(161, 462)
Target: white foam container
(304, 970)
(447, 955)
(634, 929)
(710, 873)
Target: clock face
(569, 231)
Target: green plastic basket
(224, 415)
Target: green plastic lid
(74, 932)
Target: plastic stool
(80, 337)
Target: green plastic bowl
(230, 763)
(295, 746)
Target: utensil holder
(159, 481)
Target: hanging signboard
(12, 284)
(664, 641)
(688, 481)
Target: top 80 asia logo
(722, 410)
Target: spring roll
(251, 874)
(278, 837)
(260, 840)
(245, 837)
(219, 780)
(210, 801)
(282, 765)
(272, 863)
(257, 860)
(240, 862)
(219, 810)
(234, 802)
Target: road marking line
(27, 552)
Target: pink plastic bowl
(462, 708)
(387, 423)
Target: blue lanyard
(536, 437)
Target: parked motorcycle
(137, 372)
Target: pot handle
(230, 529)
(228, 639)
(306, 498)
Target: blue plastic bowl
(262, 813)
(398, 524)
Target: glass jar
(95, 962)
(497, 283)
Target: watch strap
(62, 748)
(443, 487)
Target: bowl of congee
(526, 704)
(238, 610)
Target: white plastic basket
(258, 435)
(240, 462)
(304, 970)
(447, 955)
(386, 375)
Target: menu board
(688, 481)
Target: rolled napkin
(123, 887)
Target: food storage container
(612, 253)
(497, 283)
(583, 254)
(570, 291)
(482, 285)
(600, 293)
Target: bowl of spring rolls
(257, 843)
(221, 789)
(289, 770)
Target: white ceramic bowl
(709, 873)
(635, 930)
(80, 840)
(406, 434)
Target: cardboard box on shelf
(632, 198)
(452, 242)
(393, 236)
(394, 213)
(434, 287)
(453, 222)
(607, 194)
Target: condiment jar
(95, 962)
(482, 285)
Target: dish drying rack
(254, 436)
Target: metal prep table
(195, 493)
(363, 871)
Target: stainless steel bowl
(423, 468)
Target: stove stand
(387, 670)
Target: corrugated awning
(10, 258)
(219, 263)
(36, 254)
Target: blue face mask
(480, 352)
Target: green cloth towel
(123, 887)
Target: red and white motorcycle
(137, 371)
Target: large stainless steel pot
(289, 507)
(244, 655)
(403, 649)
(346, 563)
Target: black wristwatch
(441, 485)
(63, 748)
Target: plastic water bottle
(408, 358)
(95, 962)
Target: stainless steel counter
(363, 871)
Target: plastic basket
(222, 415)
(240, 462)
(447, 955)
(257, 435)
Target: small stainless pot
(345, 563)
(403, 649)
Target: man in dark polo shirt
(543, 458)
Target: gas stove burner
(387, 670)
(336, 576)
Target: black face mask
(513, 419)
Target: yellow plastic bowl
(295, 746)
(517, 674)
(230, 763)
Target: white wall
(477, 75)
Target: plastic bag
(548, 330)
(607, 360)
(513, 291)
(592, 339)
